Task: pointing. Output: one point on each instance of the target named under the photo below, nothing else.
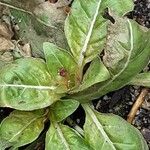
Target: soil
(119, 102)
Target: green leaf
(61, 65)
(34, 32)
(27, 85)
(110, 132)
(63, 108)
(21, 128)
(86, 35)
(142, 79)
(96, 73)
(126, 54)
(120, 8)
(62, 137)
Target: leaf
(126, 54)
(86, 29)
(21, 128)
(61, 65)
(142, 79)
(108, 131)
(27, 85)
(62, 137)
(96, 73)
(63, 108)
(34, 32)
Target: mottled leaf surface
(26, 85)
(21, 128)
(142, 79)
(126, 54)
(63, 108)
(62, 137)
(108, 131)
(61, 65)
(86, 28)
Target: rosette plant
(114, 50)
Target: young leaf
(62, 137)
(96, 73)
(126, 54)
(26, 85)
(86, 29)
(110, 132)
(63, 108)
(142, 79)
(61, 65)
(21, 128)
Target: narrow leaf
(61, 65)
(108, 131)
(86, 29)
(63, 108)
(142, 79)
(21, 128)
(62, 137)
(26, 85)
(126, 54)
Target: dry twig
(137, 104)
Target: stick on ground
(137, 104)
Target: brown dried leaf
(5, 31)
(5, 44)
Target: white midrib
(29, 86)
(126, 64)
(98, 125)
(83, 50)
(62, 136)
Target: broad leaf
(26, 85)
(142, 79)
(61, 137)
(61, 65)
(63, 108)
(21, 128)
(96, 73)
(110, 132)
(86, 29)
(126, 54)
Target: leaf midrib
(88, 36)
(98, 125)
(60, 133)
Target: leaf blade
(128, 46)
(25, 87)
(90, 29)
(62, 109)
(61, 65)
(111, 131)
(16, 129)
(61, 137)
